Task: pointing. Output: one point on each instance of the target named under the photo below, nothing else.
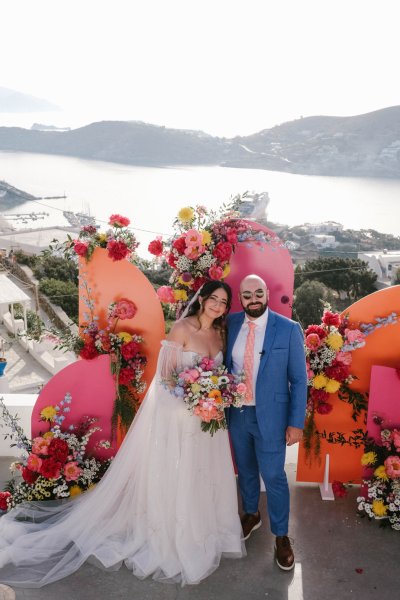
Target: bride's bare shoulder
(181, 331)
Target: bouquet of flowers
(207, 389)
(56, 464)
(120, 242)
(201, 248)
(380, 497)
(329, 348)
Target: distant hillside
(12, 101)
(365, 145)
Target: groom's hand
(293, 435)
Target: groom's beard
(255, 309)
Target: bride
(166, 507)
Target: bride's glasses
(216, 300)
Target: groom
(269, 348)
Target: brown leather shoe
(284, 553)
(250, 523)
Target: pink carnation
(193, 238)
(193, 252)
(166, 294)
(118, 221)
(190, 375)
(344, 358)
(71, 471)
(392, 466)
(313, 341)
(207, 364)
(354, 336)
(215, 272)
(40, 445)
(34, 462)
(124, 309)
(396, 438)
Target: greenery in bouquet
(380, 493)
(56, 464)
(119, 241)
(207, 390)
(201, 248)
(329, 348)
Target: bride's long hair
(206, 291)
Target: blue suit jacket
(281, 389)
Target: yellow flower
(102, 237)
(227, 270)
(214, 379)
(48, 434)
(379, 508)
(125, 336)
(187, 283)
(75, 490)
(206, 236)
(368, 458)
(195, 388)
(185, 215)
(332, 386)
(180, 295)
(380, 472)
(48, 413)
(334, 341)
(320, 381)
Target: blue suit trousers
(252, 458)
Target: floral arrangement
(380, 497)
(329, 348)
(56, 464)
(207, 390)
(201, 248)
(119, 241)
(127, 360)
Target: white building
(323, 241)
(326, 227)
(384, 263)
(35, 240)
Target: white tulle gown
(167, 506)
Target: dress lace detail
(167, 506)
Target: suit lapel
(269, 337)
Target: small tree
(308, 302)
(62, 293)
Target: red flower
(124, 309)
(117, 250)
(29, 476)
(223, 252)
(118, 221)
(51, 468)
(337, 371)
(126, 375)
(215, 272)
(156, 247)
(319, 395)
(324, 408)
(231, 236)
(320, 331)
(338, 489)
(171, 260)
(330, 318)
(129, 350)
(58, 450)
(179, 245)
(89, 229)
(197, 283)
(3, 500)
(88, 351)
(80, 248)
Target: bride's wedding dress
(167, 506)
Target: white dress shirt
(240, 345)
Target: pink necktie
(248, 362)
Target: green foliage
(25, 259)
(396, 278)
(56, 267)
(62, 293)
(309, 300)
(351, 276)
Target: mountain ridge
(365, 145)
